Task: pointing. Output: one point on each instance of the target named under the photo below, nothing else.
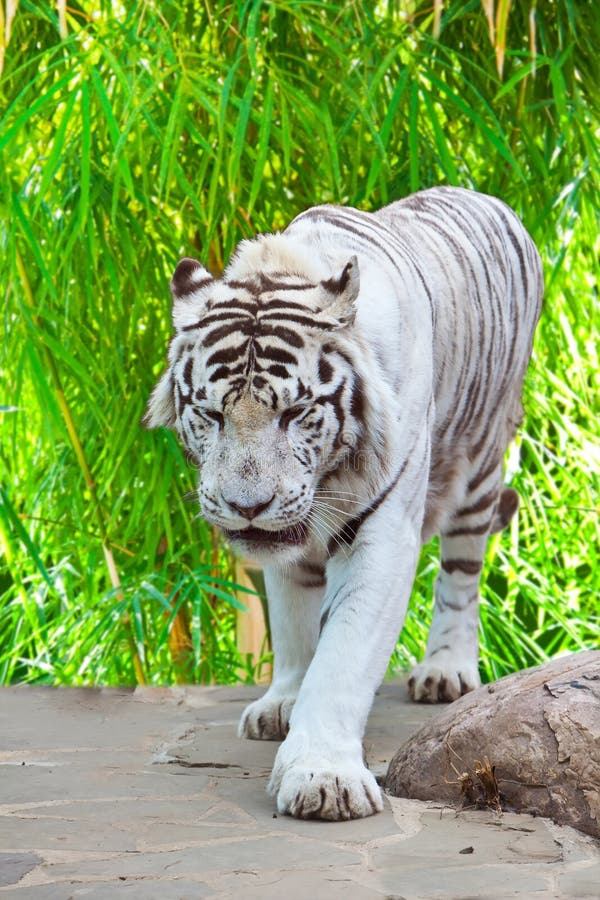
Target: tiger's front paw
(442, 678)
(267, 719)
(320, 788)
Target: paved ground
(150, 794)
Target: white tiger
(348, 389)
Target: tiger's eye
(288, 415)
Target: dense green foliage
(134, 134)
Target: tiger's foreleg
(319, 770)
(295, 595)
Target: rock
(529, 742)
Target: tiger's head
(262, 389)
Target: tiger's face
(262, 396)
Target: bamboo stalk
(6, 20)
(61, 6)
(488, 8)
(502, 13)
(251, 626)
(437, 18)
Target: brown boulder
(529, 742)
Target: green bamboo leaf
(12, 521)
(171, 136)
(262, 149)
(524, 71)
(239, 136)
(57, 151)
(9, 132)
(33, 244)
(224, 97)
(558, 83)
(86, 145)
(413, 137)
(497, 141)
(386, 128)
(113, 128)
(286, 137)
(332, 151)
(447, 162)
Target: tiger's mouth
(293, 536)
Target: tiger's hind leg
(450, 667)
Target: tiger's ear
(189, 279)
(343, 290)
(187, 284)
(161, 405)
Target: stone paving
(150, 794)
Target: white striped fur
(348, 389)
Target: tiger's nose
(250, 512)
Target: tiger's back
(486, 292)
(466, 259)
